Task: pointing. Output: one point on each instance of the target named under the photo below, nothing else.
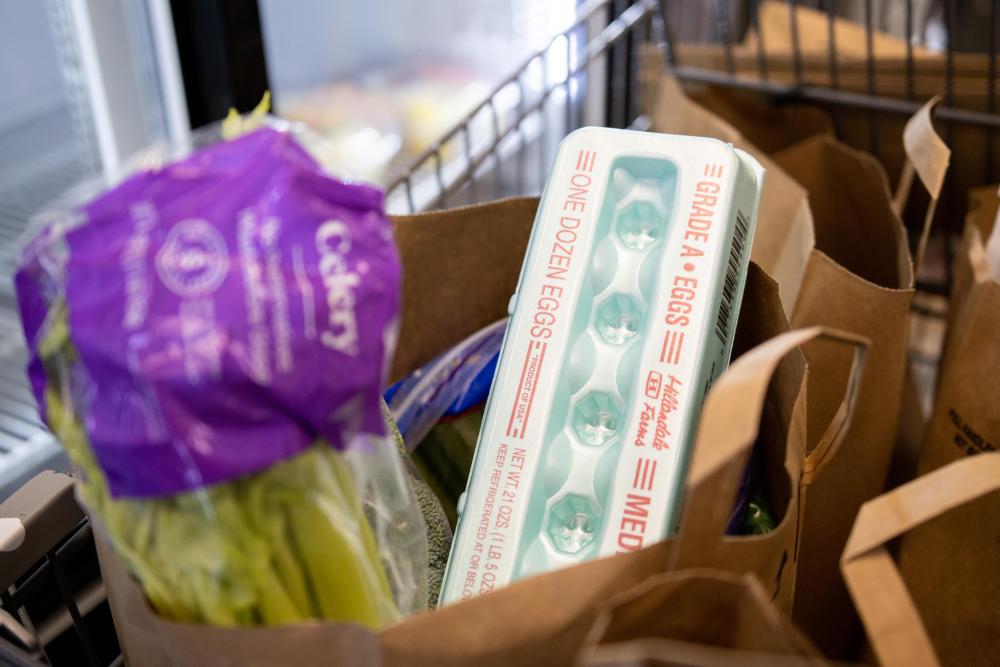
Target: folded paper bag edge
(885, 605)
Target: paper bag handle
(728, 429)
(890, 616)
(927, 156)
(836, 430)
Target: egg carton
(623, 316)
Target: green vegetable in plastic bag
(288, 544)
(240, 279)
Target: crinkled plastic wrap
(450, 383)
(208, 340)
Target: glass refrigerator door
(83, 85)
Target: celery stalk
(289, 543)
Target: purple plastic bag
(229, 309)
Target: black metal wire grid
(510, 155)
(799, 89)
(504, 144)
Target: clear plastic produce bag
(208, 340)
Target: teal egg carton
(624, 315)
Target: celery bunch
(290, 543)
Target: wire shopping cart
(52, 605)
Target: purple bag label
(229, 309)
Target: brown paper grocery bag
(854, 272)
(966, 418)
(909, 624)
(759, 400)
(460, 267)
(543, 619)
(812, 65)
(961, 617)
(812, 33)
(703, 614)
(696, 618)
(784, 233)
(768, 124)
(730, 424)
(859, 278)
